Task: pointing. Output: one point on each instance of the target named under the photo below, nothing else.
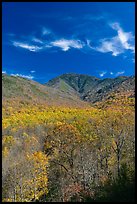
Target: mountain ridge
(22, 89)
(90, 88)
(70, 88)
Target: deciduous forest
(68, 154)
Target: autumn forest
(67, 153)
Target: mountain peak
(68, 87)
(77, 75)
(78, 82)
(89, 88)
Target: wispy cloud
(37, 40)
(120, 73)
(118, 44)
(133, 60)
(126, 38)
(89, 43)
(45, 31)
(111, 73)
(101, 74)
(110, 45)
(94, 17)
(23, 76)
(65, 44)
(87, 17)
(4, 72)
(32, 48)
(115, 45)
(32, 71)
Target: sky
(43, 40)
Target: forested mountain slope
(71, 140)
(92, 89)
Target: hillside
(92, 89)
(71, 140)
(21, 89)
(71, 90)
(79, 82)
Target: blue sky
(43, 40)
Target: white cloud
(115, 45)
(118, 44)
(111, 73)
(32, 71)
(88, 44)
(95, 18)
(101, 74)
(37, 40)
(32, 48)
(45, 31)
(124, 37)
(133, 60)
(110, 45)
(65, 44)
(36, 44)
(4, 72)
(120, 73)
(23, 76)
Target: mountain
(24, 90)
(69, 89)
(92, 89)
(79, 82)
(106, 87)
